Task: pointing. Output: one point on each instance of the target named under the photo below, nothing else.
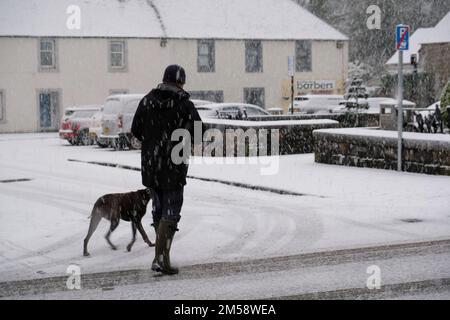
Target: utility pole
(400, 111)
(292, 94)
(291, 72)
(402, 44)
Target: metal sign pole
(402, 44)
(292, 94)
(291, 72)
(400, 110)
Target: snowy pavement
(43, 221)
(413, 269)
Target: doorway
(48, 104)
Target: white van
(118, 114)
(316, 103)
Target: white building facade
(233, 51)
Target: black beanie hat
(174, 74)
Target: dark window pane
(255, 96)
(253, 56)
(116, 47)
(303, 56)
(116, 59)
(47, 45)
(46, 59)
(1, 106)
(206, 56)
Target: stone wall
(422, 153)
(346, 120)
(295, 137)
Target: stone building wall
(435, 58)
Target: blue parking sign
(402, 38)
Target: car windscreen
(233, 112)
(131, 106)
(253, 111)
(206, 112)
(112, 106)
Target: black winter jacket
(161, 112)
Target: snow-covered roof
(439, 34)
(193, 19)
(441, 31)
(393, 102)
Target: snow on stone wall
(346, 120)
(295, 137)
(370, 148)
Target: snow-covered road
(43, 221)
(413, 269)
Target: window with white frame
(303, 56)
(117, 55)
(2, 106)
(206, 56)
(253, 56)
(47, 54)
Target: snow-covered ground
(43, 221)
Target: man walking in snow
(161, 112)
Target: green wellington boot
(170, 229)
(164, 238)
(157, 263)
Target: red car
(75, 124)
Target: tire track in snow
(225, 182)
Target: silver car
(118, 114)
(232, 111)
(95, 129)
(75, 124)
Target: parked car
(275, 111)
(95, 129)
(118, 114)
(236, 111)
(373, 103)
(198, 103)
(314, 103)
(75, 124)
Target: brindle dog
(130, 206)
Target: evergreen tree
(356, 96)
